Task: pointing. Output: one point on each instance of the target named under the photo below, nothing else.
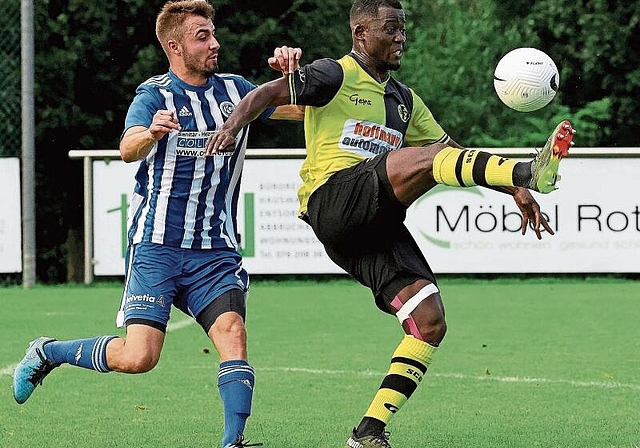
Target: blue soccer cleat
(31, 370)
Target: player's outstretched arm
(285, 59)
(273, 93)
(530, 210)
(138, 140)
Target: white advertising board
(273, 239)
(113, 183)
(595, 215)
(10, 215)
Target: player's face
(200, 47)
(386, 36)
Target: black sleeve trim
(316, 84)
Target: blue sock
(88, 353)
(235, 382)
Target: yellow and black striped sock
(469, 167)
(408, 366)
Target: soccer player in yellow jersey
(373, 148)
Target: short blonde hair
(172, 16)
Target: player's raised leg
(467, 167)
(413, 171)
(138, 353)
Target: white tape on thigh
(411, 304)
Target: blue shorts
(159, 276)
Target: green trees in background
(455, 45)
(85, 52)
(92, 55)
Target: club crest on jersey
(403, 112)
(226, 107)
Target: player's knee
(433, 328)
(430, 152)
(230, 325)
(422, 316)
(224, 312)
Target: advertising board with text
(595, 215)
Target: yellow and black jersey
(351, 117)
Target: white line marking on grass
(8, 370)
(526, 380)
(500, 379)
(172, 326)
(320, 371)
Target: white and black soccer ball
(526, 79)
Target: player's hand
(164, 121)
(531, 215)
(285, 59)
(220, 142)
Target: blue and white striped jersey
(181, 198)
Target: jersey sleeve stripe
(292, 90)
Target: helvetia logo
(141, 298)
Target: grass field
(526, 363)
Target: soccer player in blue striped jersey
(183, 242)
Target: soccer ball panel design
(526, 79)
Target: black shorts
(360, 222)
